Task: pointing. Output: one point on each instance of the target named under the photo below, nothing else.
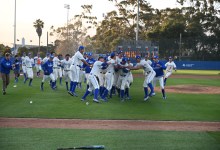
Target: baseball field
(44, 120)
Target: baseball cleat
(152, 94)
(104, 99)
(146, 98)
(74, 94)
(70, 93)
(95, 100)
(164, 97)
(82, 99)
(4, 93)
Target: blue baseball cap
(51, 56)
(104, 65)
(112, 54)
(120, 52)
(124, 59)
(138, 57)
(156, 57)
(170, 57)
(81, 47)
(48, 54)
(89, 54)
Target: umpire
(6, 66)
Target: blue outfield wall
(197, 65)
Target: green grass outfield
(58, 104)
(51, 139)
(190, 72)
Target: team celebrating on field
(109, 75)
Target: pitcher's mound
(194, 89)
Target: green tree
(78, 30)
(39, 25)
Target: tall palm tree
(39, 24)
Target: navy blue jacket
(48, 67)
(6, 66)
(17, 64)
(158, 69)
(90, 61)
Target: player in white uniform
(24, 69)
(116, 75)
(56, 62)
(59, 68)
(122, 82)
(148, 60)
(37, 62)
(29, 62)
(170, 65)
(82, 72)
(75, 68)
(101, 77)
(130, 79)
(66, 63)
(46, 58)
(149, 75)
(109, 76)
(93, 79)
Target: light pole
(15, 30)
(137, 28)
(180, 47)
(67, 6)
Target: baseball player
(170, 65)
(38, 61)
(59, 68)
(130, 79)
(148, 60)
(75, 68)
(17, 64)
(149, 74)
(101, 77)
(82, 71)
(56, 66)
(93, 79)
(5, 68)
(158, 67)
(66, 63)
(48, 73)
(87, 69)
(109, 76)
(116, 75)
(122, 82)
(24, 69)
(29, 62)
(46, 58)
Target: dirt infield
(109, 124)
(191, 89)
(176, 76)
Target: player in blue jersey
(5, 66)
(158, 67)
(48, 73)
(17, 64)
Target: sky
(52, 13)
